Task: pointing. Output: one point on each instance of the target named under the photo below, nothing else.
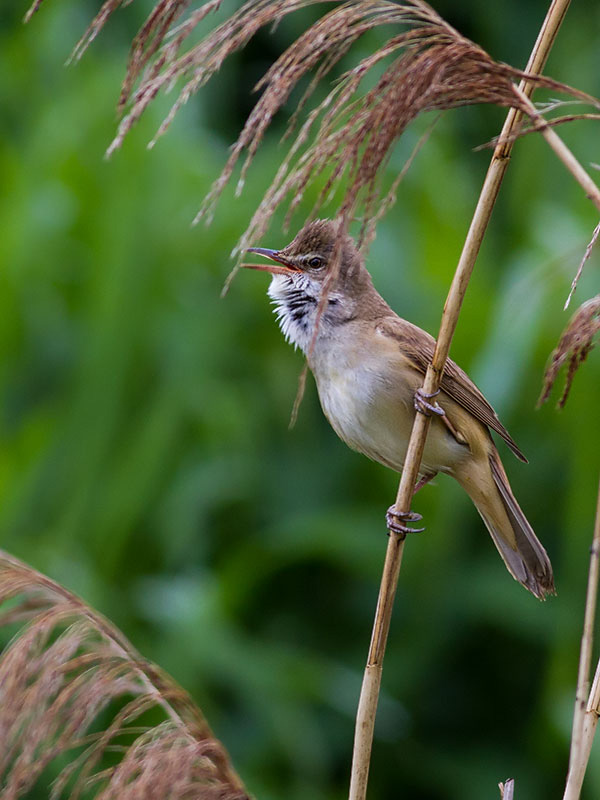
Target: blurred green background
(145, 456)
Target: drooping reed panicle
(66, 665)
(574, 346)
(345, 139)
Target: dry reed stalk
(575, 343)
(499, 163)
(507, 789)
(561, 151)
(65, 666)
(586, 255)
(587, 706)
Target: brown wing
(419, 346)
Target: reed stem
(367, 707)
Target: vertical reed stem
(367, 707)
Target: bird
(369, 365)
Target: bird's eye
(315, 262)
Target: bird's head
(310, 258)
(319, 256)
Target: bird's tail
(521, 550)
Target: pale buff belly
(376, 418)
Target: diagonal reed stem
(367, 707)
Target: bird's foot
(395, 521)
(424, 407)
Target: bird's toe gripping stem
(395, 521)
(423, 406)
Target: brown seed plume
(349, 136)
(574, 346)
(343, 141)
(65, 665)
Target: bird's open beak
(281, 267)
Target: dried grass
(574, 346)
(507, 789)
(586, 255)
(346, 138)
(65, 666)
(432, 68)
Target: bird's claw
(395, 519)
(424, 407)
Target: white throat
(295, 300)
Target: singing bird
(369, 365)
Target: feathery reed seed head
(64, 666)
(574, 346)
(347, 138)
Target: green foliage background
(145, 458)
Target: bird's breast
(367, 394)
(368, 405)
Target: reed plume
(346, 139)
(574, 346)
(65, 666)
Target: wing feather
(418, 346)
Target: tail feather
(525, 557)
(521, 550)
